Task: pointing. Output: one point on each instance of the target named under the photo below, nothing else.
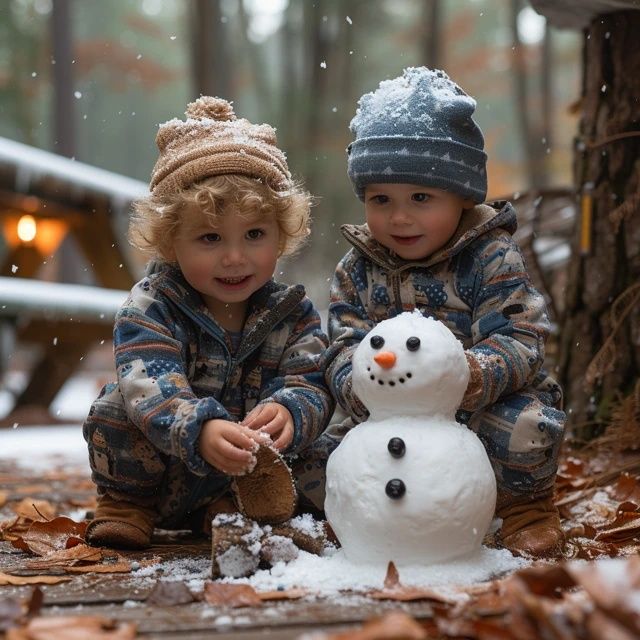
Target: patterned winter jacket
(175, 368)
(477, 285)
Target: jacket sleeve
(348, 325)
(509, 326)
(153, 381)
(300, 384)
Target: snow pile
(331, 574)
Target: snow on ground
(49, 446)
(44, 447)
(330, 574)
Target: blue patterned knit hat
(418, 129)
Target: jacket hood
(474, 223)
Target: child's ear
(468, 204)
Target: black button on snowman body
(396, 488)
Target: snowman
(410, 485)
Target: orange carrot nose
(386, 359)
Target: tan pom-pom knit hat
(213, 142)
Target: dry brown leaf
(602, 626)
(285, 594)
(626, 487)
(547, 581)
(394, 590)
(121, 566)
(73, 628)
(392, 579)
(4, 495)
(66, 557)
(627, 531)
(231, 595)
(36, 510)
(395, 625)
(13, 528)
(18, 581)
(60, 533)
(596, 580)
(167, 594)
(34, 604)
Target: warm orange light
(45, 234)
(27, 228)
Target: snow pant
(127, 466)
(522, 434)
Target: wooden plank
(51, 371)
(99, 243)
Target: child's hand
(227, 446)
(274, 419)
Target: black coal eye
(413, 343)
(377, 342)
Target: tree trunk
(63, 106)
(210, 67)
(527, 125)
(547, 106)
(432, 45)
(600, 350)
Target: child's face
(227, 262)
(412, 220)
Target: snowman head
(410, 366)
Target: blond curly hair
(156, 220)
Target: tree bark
(527, 125)
(600, 341)
(63, 106)
(209, 64)
(547, 107)
(432, 43)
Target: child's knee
(522, 436)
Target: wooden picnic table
(69, 201)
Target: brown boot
(224, 504)
(530, 525)
(120, 524)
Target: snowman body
(410, 485)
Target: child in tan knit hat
(213, 356)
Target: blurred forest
(92, 80)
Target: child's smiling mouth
(233, 283)
(406, 239)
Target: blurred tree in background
(298, 64)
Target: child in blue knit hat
(417, 162)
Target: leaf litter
(593, 592)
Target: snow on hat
(213, 142)
(418, 129)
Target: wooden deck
(598, 497)
(122, 596)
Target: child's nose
(399, 216)
(233, 256)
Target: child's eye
(210, 237)
(379, 199)
(420, 197)
(255, 234)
